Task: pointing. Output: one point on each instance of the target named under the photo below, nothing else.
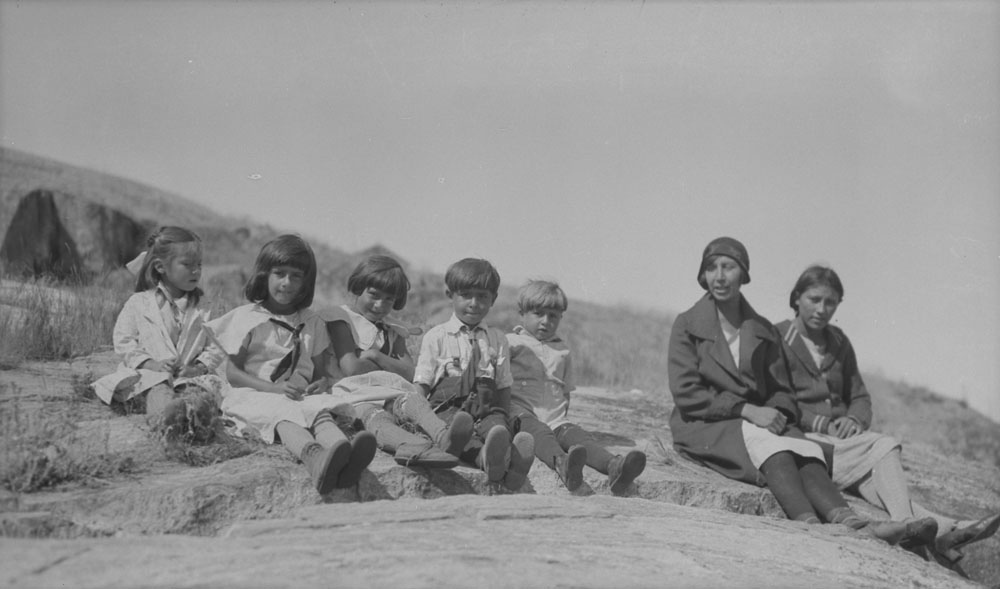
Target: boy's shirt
(446, 350)
(542, 376)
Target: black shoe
(919, 532)
(570, 467)
(625, 469)
(961, 537)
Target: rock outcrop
(256, 521)
(60, 235)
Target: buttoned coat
(710, 391)
(828, 391)
(140, 333)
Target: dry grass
(42, 445)
(46, 321)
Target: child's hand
(320, 386)
(157, 366)
(193, 370)
(291, 391)
(844, 427)
(370, 355)
(768, 418)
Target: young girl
(364, 342)
(276, 348)
(733, 408)
(837, 410)
(167, 369)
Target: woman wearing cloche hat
(734, 411)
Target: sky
(602, 144)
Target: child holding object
(543, 379)
(837, 410)
(464, 366)
(734, 409)
(371, 351)
(276, 346)
(167, 368)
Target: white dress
(253, 327)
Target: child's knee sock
(570, 434)
(822, 493)
(783, 480)
(383, 426)
(890, 484)
(293, 436)
(326, 430)
(413, 407)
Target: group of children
(334, 387)
(765, 405)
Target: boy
(540, 365)
(464, 365)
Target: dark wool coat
(829, 391)
(710, 390)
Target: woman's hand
(768, 418)
(372, 356)
(843, 427)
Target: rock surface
(256, 521)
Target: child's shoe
(570, 467)
(362, 452)
(494, 456)
(325, 464)
(425, 455)
(522, 455)
(624, 469)
(456, 436)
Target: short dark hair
(284, 250)
(815, 275)
(472, 273)
(160, 248)
(541, 294)
(382, 273)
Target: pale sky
(602, 144)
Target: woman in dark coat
(734, 411)
(837, 410)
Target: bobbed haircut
(541, 294)
(162, 246)
(815, 275)
(284, 250)
(382, 273)
(472, 273)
